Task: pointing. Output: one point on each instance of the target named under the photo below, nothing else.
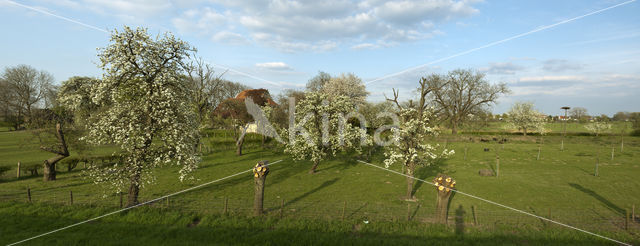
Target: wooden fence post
(497, 166)
(226, 204)
(465, 151)
(29, 193)
(281, 207)
(121, 204)
(71, 197)
(475, 218)
(18, 173)
(408, 211)
(167, 202)
(626, 219)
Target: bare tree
(578, 113)
(206, 87)
(462, 92)
(24, 87)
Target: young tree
(410, 147)
(523, 116)
(322, 129)
(598, 127)
(143, 106)
(462, 92)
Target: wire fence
(479, 215)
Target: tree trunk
(454, 127)
(442, 204)
(314, 167)
(258, 198)
(524, 131)
(61, 152)
(49, 171)
(444, 185)
(410, 172)
(134, 190)
(240, 141)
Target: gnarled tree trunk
(240, 140)
(61, 152)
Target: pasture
(333, 205)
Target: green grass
(152, 226)
(561, 183)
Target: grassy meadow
(345, 202)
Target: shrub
(635, 133)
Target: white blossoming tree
(523, 116)
(142, 106)
(598, 127)
(410, 147)
(321, 129)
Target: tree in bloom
(320, 128)
(523, 116)
(141, 105)
(598, 127)
(410, 147)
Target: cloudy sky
(591, 61)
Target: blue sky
(592, 62)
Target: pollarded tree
(523, 116)
(143, 106)
(321, 129)
(410, 147)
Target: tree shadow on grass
(322, 186)
(294, 200)
(603, 200)
(425, 172)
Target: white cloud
(560, 65)
(551, 78)
(274, 66)
(229, 37)
(292, 26)
(365, 46)
(204, 20)
(502, 68)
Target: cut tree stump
(260, 172)
(444, 185)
